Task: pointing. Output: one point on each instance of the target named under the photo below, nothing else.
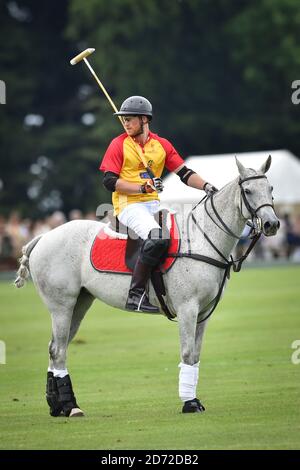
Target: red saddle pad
(108, 254)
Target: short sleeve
(113, 157)
(173, 159)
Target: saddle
(116, 249)
(134, 242)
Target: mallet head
(82, 55)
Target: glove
(158, 184)
(152, 185)
(209, 189)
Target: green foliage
(219, 76)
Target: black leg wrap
(193, 406)
(52, 395)
(66, 395)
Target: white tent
(284, 175)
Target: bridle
(256, 221)
(254, 235)
(253, 212)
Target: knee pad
(154, 247)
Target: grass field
(124, 371)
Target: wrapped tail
(23, 271)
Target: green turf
(125, 375)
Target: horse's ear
(264, 168)
(241, 168)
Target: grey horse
(59, 264)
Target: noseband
(252, 211)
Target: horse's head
(256, 197)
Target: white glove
(158, 184)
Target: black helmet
(135, 105)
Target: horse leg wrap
(66, 395)
(188, 379)
(52, 395)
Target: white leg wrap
(61, 373)
(188, 379)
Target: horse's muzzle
(270, 227)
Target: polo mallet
(83, 56)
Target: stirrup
(138, 301)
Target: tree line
(219, 75)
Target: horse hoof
(193, 406)
(76, 413)
(56, 412)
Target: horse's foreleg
(199, 339)
(189, 365)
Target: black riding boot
(137, 298)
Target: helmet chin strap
(141, 129)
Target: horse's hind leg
(59, 392)
(84, 301)
(58, 380)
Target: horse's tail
(23, 271)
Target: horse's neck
(226, 204)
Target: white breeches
(140, 217)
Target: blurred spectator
(91, 216)
(75, 214)
(242, 243)
(40, 227)
(7, 260)
(293, 239)
(275, 247)
(56, 219)
(17, 233)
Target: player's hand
(158, 184)
(209, 189)
(152, 185)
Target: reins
(254, 236)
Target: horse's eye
(247, 191)
(271, 188)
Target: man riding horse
(132, 166)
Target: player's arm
(189, 177)
(112, 182)
(192, 179)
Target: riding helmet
(136, 106)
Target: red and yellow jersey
(122, 157)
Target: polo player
(127, 165)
